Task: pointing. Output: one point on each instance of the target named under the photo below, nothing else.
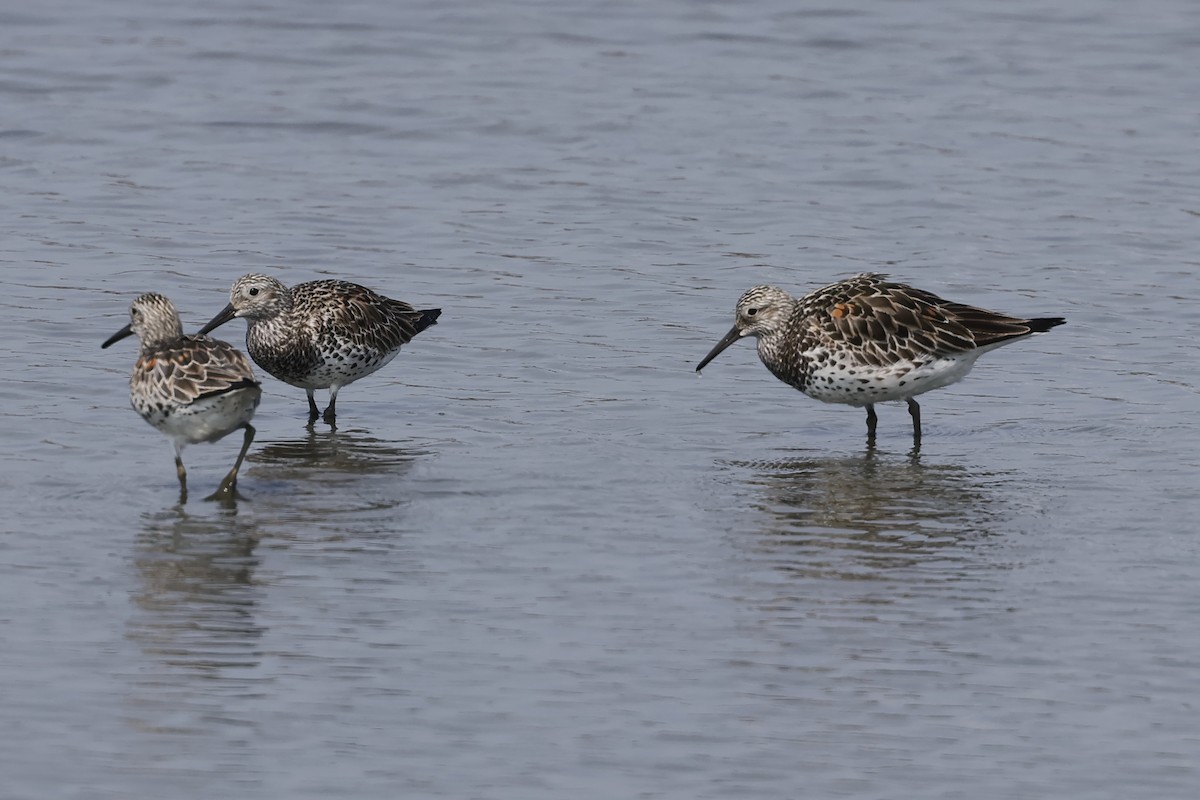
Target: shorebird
(866, 340)
(321, 334)
(192, 388)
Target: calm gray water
(540, 557)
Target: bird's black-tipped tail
(429, 316)
(1043, 324)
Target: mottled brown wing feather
(190, 368)
(379, 320)
(988, 327)
(890, 322)
(390, 322)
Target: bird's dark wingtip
(429, 316)
(243, 383)
(1043, 324)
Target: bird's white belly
(343, 366)
(207, 419)
(858, 385)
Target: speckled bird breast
(315, 357)
(839, 376)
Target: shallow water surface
(540, 557)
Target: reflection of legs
(229, 484)
(871, 420)
(182, 473)
(313, 411)
(331, 412)
(915, 411)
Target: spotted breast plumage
(321, 334)
(867, 340)
(192, 388)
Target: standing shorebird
(320, 334)
(866, 340)
(192, 388)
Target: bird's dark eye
(253, 291)
(750, 312)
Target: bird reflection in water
(347, 452)
(198, 619)
(198, 595)
(306, 487)
(864, 516)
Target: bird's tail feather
(429, 316)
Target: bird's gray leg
(228, 487)
(313, 411)
(915, 411)
(871, 420)
(182, 473)
(331, 411)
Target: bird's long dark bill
(227, 313)
(118, 336)
(729, 339)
